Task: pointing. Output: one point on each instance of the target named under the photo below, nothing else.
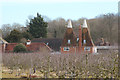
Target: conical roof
(86, 34)
(69, 35)
(69, 24)
(85, 24)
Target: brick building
(69, 44)
(72, 44)
(31, 47)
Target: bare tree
(58, 25)
(7, 28)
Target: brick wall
(72, 50)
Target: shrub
(20, 48)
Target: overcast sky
(17, 11)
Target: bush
(20, 48)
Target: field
(104, 65)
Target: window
(47, 43)
(86, 48)
(84, 41)
(66, 48)
(95, 49)
(68, 41)
(77, 39)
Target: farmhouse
(31, 47)
(69, 44)
(72, 44)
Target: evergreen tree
(38, 27)
(14, 36)
(26, 35)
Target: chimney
(28, 42)
(69, 24)
(80, 39)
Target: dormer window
(68, 41)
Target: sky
(18, 11)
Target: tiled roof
(38, 47)
(89, 41)
(10, 46)
(53, 43)
(41, 47)
(69, 35)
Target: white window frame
(66, 48)
(86, 48)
